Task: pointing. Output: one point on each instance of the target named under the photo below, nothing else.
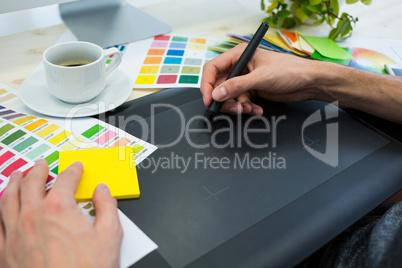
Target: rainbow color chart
(369, 60)
(26, 136)
(168, 61)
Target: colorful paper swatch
(305, 46)
(277, 41)
(318, 56)
(26, 136)
(113, 166)
(167, 61)
(369, 60)
(327, 47)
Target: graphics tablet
(250, 191)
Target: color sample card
(327, 47)
(168, 61)
(112, 166)
(26, 136)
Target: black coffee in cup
(74, 63)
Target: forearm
(380, 95)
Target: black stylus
(215, 106)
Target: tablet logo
(331, 155)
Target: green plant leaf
(330, 20)
(283, 13)
(306, 11)
(323, 7)
(344, 31)
(343, 28)
(300, 14)
(298, 21)
(269, 19)
(289, 23)
(319, 22)
(273, 6)
(279, 22)
(351, 1)
(313, 17)
(333, 4)
(366, 2)
(315, 2)
(293, 7)
(262, 5)
(315, 9)
(333, 34)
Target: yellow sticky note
(112, 166)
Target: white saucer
(34, 94)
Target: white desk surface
(22, 52)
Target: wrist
(328, 79)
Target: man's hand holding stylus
(286, 78)
(270, 75)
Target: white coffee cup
(76, 72)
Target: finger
(33, 187)
(208, 81)
(107, 222)
(105, 205)
(232, 106)
(67, 181)
(236, 86)
(2, 241)
(2, 238)
(256, 109)
(10, 202)
(243, 105)
(219, 65)
(245, 101)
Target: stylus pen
(215, 106)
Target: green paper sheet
(327, 48)
(318, 56)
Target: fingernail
(15, 173)
(256, 111)
(233, 110)
(104, 187)
(78, 163)
(41, 161)
(219, 93)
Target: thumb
(106, 209)
(234, 87)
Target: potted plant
(292, 13)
